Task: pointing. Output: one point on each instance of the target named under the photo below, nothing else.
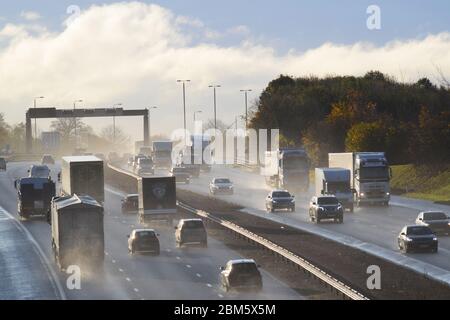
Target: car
(47, 159)
(130, 161)
(144, 166)
(143, 241)
(39, 171)
(135, 160)
(181, 175)
(240, 274)
(438, 221)
(221, 185)
(325, 208)
(280, 199)
(130, 204)
(415, 238)
(191, 231)
(2, 164)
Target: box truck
(34, 196)
(335, 181)
(370, 175)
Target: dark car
(2, 164)
(130, 204)
(240, 274)
(417, 238)
(143, 241)
(280, 199)
(191, 231)
(438, 221)
(181, 175)
(325, 208)
(47, 159)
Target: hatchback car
(240, 274)
(325, 208)
(280, 199)
(438, 221)
(39, 171)
(181, 175)
(415, 238)
(221, 186)
(130, 204)
(47, 159)
(143, 241)
(191, 231)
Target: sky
(133, 52)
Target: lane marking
(178, 258)
(56, 283)
(120, 270)
(198, 275)
(136, 290)
(188, 266)
(113, 261)
(220, 295)
(209, 285)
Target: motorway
(379, 226)
(189, 273)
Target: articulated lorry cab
(34, 196)
(84, 176)
(77, 231)
(157, 199)
(335, 181)
(287, 169)
(162, 154)
(370, 175)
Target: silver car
(438, 221)
(221, 186)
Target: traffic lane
(100, 284)
(23, 275)
(184, 273)
(377, 225)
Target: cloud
(30, 15)
(133, 53)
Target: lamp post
(246, 91)
(215, 103)
(74, 106)
(35, 123)
(149, 121)
(184, 106)
(114, 121)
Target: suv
(324, 208)
(144, 166)
(417, 238)
(221, 185)
(240, 274)
(130, 204)
(47, 159)
(2, 164)
(280, 199)
(191, 231)
(181, 174)
(438, 221)
(143, 241)
(39, 171)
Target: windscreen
(143, 235)
(245, 268)
(419, 231)
(434, 216)
(223, 181)
(336, 187)
(327, 200)
(193, 225)
(281, 194)
(40, 172)
(381, 173)
(299, 163)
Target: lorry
(77, 231)
(162, 154)
(83, 175)
(157, 199)
(370, 175)
(34, 196)
(51, 141)
(335, 181)
(287, 168)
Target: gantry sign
(45, 113)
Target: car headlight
(388, 193)
(293, 200)
(362, 194)
(435, 239)
(408, 239)
(273, 201)
(321, 209)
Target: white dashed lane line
(209, 285)
(198, 275)
(188, 266)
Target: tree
(66, 127)
(116, 137)
(4, 128)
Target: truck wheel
(317, 219)
(341, 220)
(352, 208)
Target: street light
(35, 124)
(114, 121)
(74, 106)
(149, 121)
(184, 106)
(246, 91)
(215, 104)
